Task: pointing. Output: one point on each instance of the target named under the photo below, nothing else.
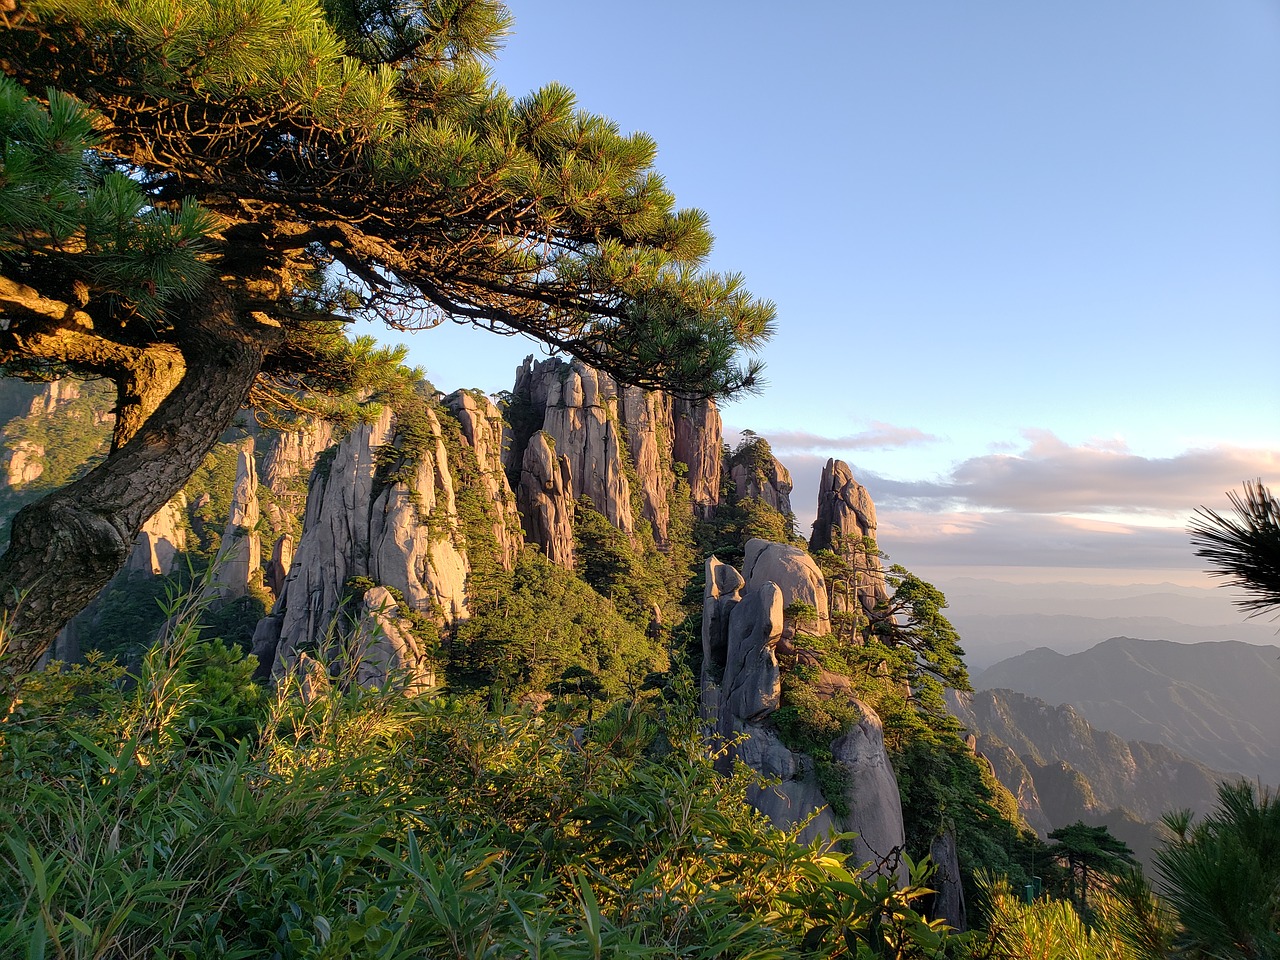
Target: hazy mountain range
(1216, 703)
(998, 620)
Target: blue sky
(1026, 256)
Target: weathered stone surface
(482, 428)
(948, 901)
(385, 649)
(24, 463)
(359, 524)
(752, 685)
(721, 593)
(52, 395)
(771, 484)
(796, 575)
(604, 430)
(582, 419)
(286, 464)
(846, 516)
(872, 794)
(280, 563)
(545, 497)
(699, 441)
(239, 560)
(161, 539)
(742, 687)
(646, 419)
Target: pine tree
(235, 181)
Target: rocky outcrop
(545, 498)
(742, 687)
(764, 479)
(482, 429)
(846, 525)
(385, 649)
(796, 575)
(239, 561)
(615, 438)
(386, 514)
(52, 395)
(280, 563)
(948, 899)
(698, 444)
(24, 463)
(162, 538)
(286, 464)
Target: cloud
(1051, 477)
(877, 436)
(1030, 540)
(1051, 504)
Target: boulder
(948, 900)
(742, 683)
(795, 574)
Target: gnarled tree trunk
(65, 548)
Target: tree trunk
(65, 548)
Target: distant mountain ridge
(1215, 703)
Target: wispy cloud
(877, 436)
(1051, 477)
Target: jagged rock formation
(24, 463)
(380, 512)
(613, 438)
(1062, 769)
(483, 429)
(846, 520)
(239, 561)
(545, 498)
(161, 539)
(280, 563)
(699, 446)
(796, 575)
(764, 479)
(384, 646)
(742, 684)
(286, 464)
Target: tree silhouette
(1244, 547)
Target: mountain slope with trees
(1212, 702)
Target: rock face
(24, 463)
(383, 513)
(286, 464)
(846, 519)
(795, 574)
(281, 562)
(161, 539)
(742, 684)
(948, 901)
(769, 482)
(482, 429)
(239, 561)
(699, 446)
(384, 647)
(612, 439)
(545, 498)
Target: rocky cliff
(746, 639)
(383, 511)
(616, 446)
(1062, 769)
(846, 525)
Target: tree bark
(65, 548)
